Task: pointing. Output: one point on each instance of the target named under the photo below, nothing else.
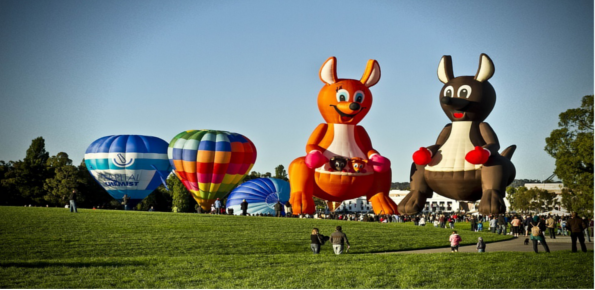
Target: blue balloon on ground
(261, 194)
(128, 164)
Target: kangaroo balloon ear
(445, 72)
(328, 71)
(371, 74)
(486, 68)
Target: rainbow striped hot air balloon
(210, 163)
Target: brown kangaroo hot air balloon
(464, 164)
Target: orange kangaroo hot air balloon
(325, 172)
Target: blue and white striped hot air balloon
(128, 164)
(261, 194)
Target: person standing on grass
(493, 224)
(316, 241)
(576, 232)
(527, 224)
(278, 209)
(338, 239)
(73, 201)
(288, 209)
(454, 239)
(244, 207)
(563, 226)
(473, 222)
(217, 206)
(502, 225)
(550, 223)
(481, 246)
(422, 221)
(586, 230)
(451, 222)
(537, 227)
(515, 223)
(125, 199)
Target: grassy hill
(51, 248)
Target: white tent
(555, 212)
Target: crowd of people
(504, 224)
(531, 227)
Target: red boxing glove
(315, 159)
(423, 156)
(478, 156)
(379, 163)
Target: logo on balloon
(120, 160)
(107, 179)
(272, 199)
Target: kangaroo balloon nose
(445, 100)
(354, 106)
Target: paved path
(515, 245)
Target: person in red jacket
(454, 239)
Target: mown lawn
(51, 248)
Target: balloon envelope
(210, 163)
(128, 164)
(261, 194)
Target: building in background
(555, 188)
(440, 204)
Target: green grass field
(51, 248)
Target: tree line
(43, 180)
(571, 145)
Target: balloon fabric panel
(261, 194)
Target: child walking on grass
(481, 246)
(454, 242)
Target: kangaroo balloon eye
(342, 95)
(359, 97)
(448, 92)
(464, 91)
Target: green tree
(8, 193)
(27, 177)
(519, 201)
(400, 185)
(64, 179)
(160, 199)
(252, 175)
(319, 203)
(280, 172)
(524, 199)
(59, 160)
(572, 147)
(90, 193)
(182, 200)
